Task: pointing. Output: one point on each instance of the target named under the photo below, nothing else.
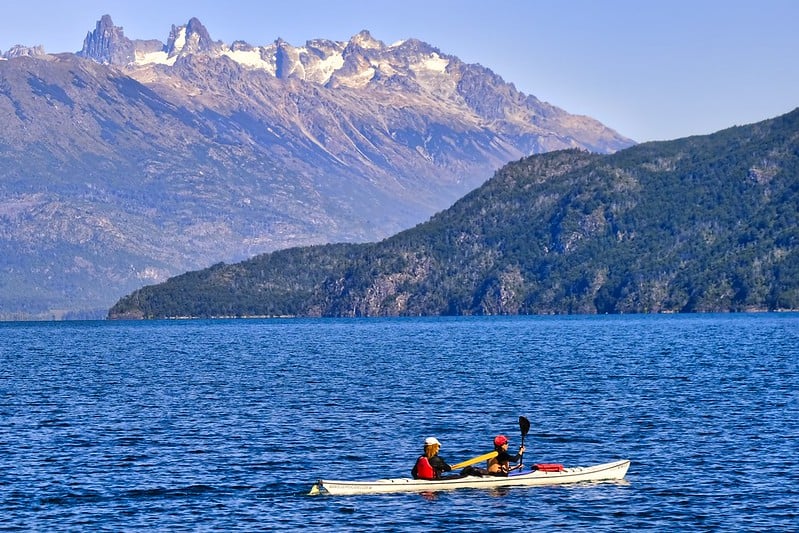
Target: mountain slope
(698, 224)
(135, 160)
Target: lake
(226, 424)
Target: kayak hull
(614, 471)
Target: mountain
(706, 223)
(134, 160)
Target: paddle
(469, 462)
(524, 427)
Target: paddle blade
(469, 462)
(524, 426)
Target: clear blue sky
(651, 70)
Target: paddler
(430, 465)
(500, 465)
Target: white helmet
(429, 441)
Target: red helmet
(500, 440)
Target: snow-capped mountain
(133, 160)
(408, 67)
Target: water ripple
(224, 425)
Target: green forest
(700, 224)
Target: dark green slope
(704, 223)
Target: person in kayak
(500, 465)
(430, 465)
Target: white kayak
(604, 472)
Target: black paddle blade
(524, 425)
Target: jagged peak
(240, 45)
(324, 43)
(195, 27)
(19, 50)
(107, 43)
(365, 40)
(416, 46)
(104, 30)
(189, 39)
(105, 22)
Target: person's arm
(518, 456)
(440, 464)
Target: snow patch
(149, 58)
(361, 79)
(249, 58)
(326, 67)
(180, 40)
(385, 68)
(435, 62)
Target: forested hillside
(698, 224)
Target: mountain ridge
(701, 224)
(116, 172)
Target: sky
(655, 70)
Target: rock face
(108, 44)
(135, 160)
(23, 51)
(190, 39)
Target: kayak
(579, 474)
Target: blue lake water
(225, 425)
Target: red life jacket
(422, 469)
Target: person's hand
(521, 449)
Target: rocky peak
(364, 39)
(240, 46)
(189, 39)
(415, 47)
(363, 46)
(107, 44)
(197, 37)
(360, 60)
(24, 51)
(287, 61)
